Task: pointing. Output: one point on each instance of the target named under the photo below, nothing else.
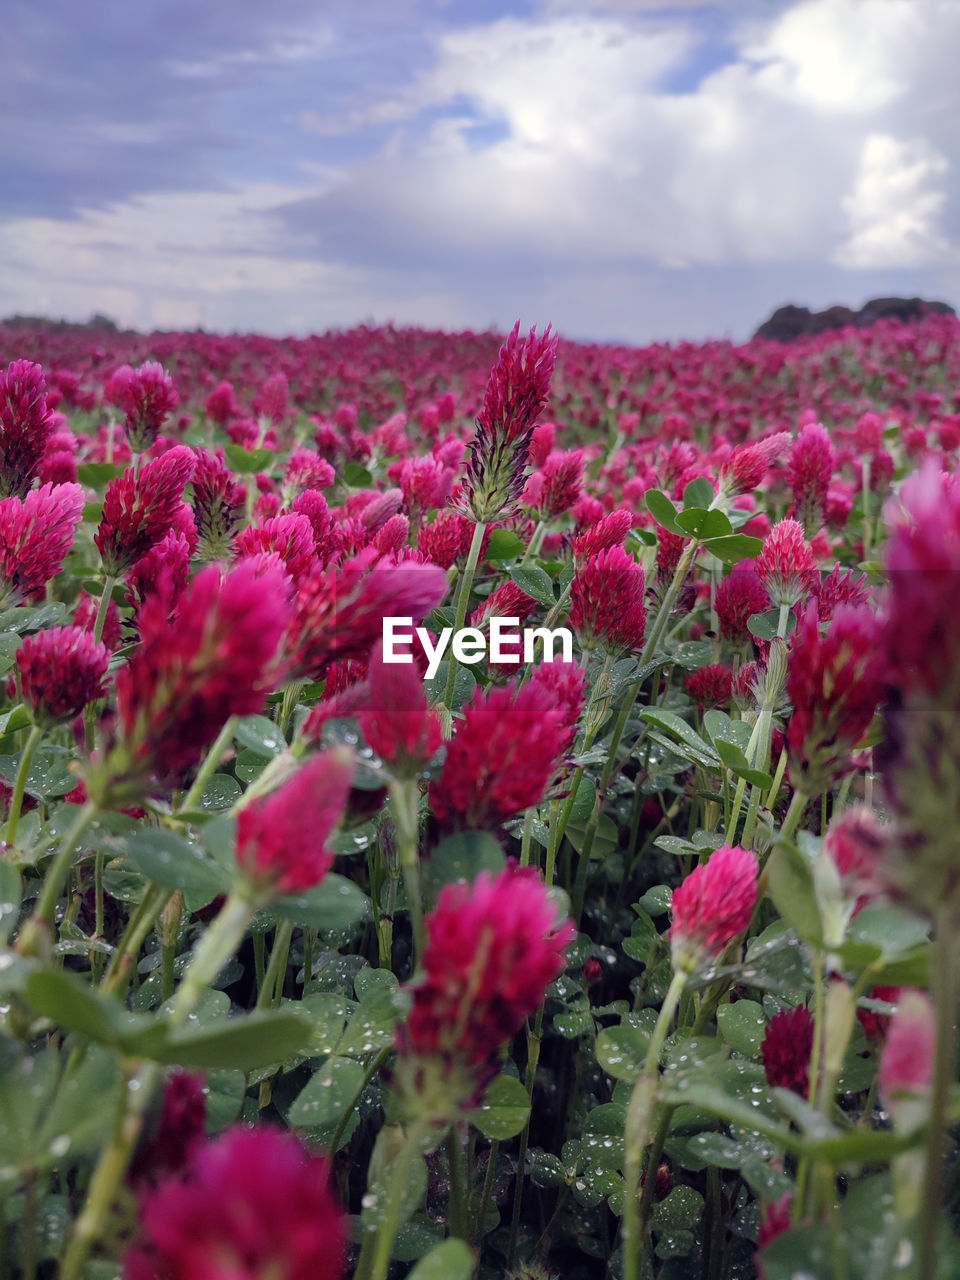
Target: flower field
(322, 957)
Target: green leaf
(462, 857)
(170, 861)
(451, 1260)
(220, 793)
(663, 510)
(336, 903)
(356, 476)
(504, 544)
(678, 1211)
(606, 839)
(324, 1099)
(656, 901)
(743, 1026)
(585, 801)
(622, 1051)
(643, 938)
(244, 1043)
(463, 686)
(10, 892)
(536, 582)
(698, 493)
(72, 1003)
(260, 735)
(894, 930)
(790, 885)
(98, 474)
(764, 625)
(736, 547)
(246, 462)
(504, 1110)
(704, 525)
(740, 767)
(721, 728)
(680, 730)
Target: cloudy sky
(627, 169)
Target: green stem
(206, 771)
(109, 583)
(368, 1075)
(487, 1191)
(640, 1112)
(533, 546)
(138, 926)
(405, 794)
(944, 969)
(533, 1061)
(793, 815)
(279, 955)
(378, 1266)
(58, 871)
(463, 598)
(20, 785)
(215, 947)
(663, 614)
(457, 1216)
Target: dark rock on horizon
(789, 323)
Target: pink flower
(747, 464)
(555, 488)
(290, 536)
(222, 404)
(739, 596)
(710, 686)
(565, 683)
(179, 1135)
(786, 1049)
(217, 505)
(397, 721)
(61, 670)
(875, 1024)
(307, 470)
(340, 611)
(168, 562)
(251, 1203)
(712, 906)
(516, 395)
(85, 615)
(282, 838)
(138, 510)
(214, 659)
(447, 539)
(494, 947)
(856, 842)
(607, 601)
(506, 750)
(809, 476)
(835, 683)
(785, 565)
(774, 1223)
(26, 424)
(36, 532)
(837, 588)
(147, 396)
(271, 399)
(906, 1065)
(609, 531)
(507, 601)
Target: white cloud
(895, 208)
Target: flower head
(609, 531)
(809, 476)
(739, 596)
(607, 601)
(747, 464)
(710, 686)
(494, 947)
(397, 722)
(290, 536)
(222, 404)
(906, 1065)
(139, 509)
(61, 670)
(26, 424)
(516, 395)
(506, 750)
(282, 838)
(179, 1132)
(712, 906)
(786, 565)
(786, 1050)
(217, 505)
(446, 539)
(215, 658)
(835, 683)
(147, 396)
(340, 610)
(36, 532)
(556, 486)
(774, 1223)
(252, 1203)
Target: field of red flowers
(640, 962)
